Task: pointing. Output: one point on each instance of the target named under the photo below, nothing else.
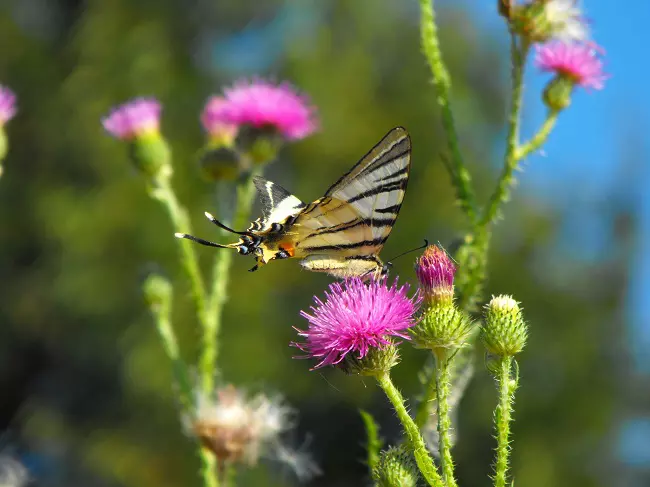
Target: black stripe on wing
(353, 245)
(375, 223)
(400, 147)
(384, 188)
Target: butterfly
(341, 233)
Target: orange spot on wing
(288, 248)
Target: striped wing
(357, 213)
(277, 203)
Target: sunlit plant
(360, 325)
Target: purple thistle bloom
(435, 271)
(133, 118)
(578, 62)
(355, 317)
(212, 120)
(7, 104)
(261, 104)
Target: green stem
(443, 386)
(162, 316)
(502, 417)
(460, 176)
(539, 138)
(502, 191)
(420, 452)
(245, 193)
(163, 192)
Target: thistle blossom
(355, 318)
(133, 119)
(579, 63)
(7, 104)
(262, 104)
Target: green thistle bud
(259, 144)
(151, 155)
(504, 332)
(219, 164)
(557, 94)
(395, 468)
(442, 327)
(157, 291)
(376, 362)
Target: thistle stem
(245, 193)
(162, 317)
(501, 193)
(420, 452)
(428, 400)
(163, 192)
(460, 176)
(443, 387)
(539, 138)
(502, 417)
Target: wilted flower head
(357, 317)
(435, 271)
(213, 123)
(578, 63)
(261, 104)
(241, 429)
(542, 20)
(133, 118)
(7, 104)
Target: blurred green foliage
(84, 380)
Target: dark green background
(85, 386)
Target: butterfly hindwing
(278, 204)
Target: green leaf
(374, 441)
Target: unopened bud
(219, 164)
(435, 271)
(504, 332)
(157, 291)
(396, 467)
(259, 144)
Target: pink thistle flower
(212, 120)
(133, 118)
(435, 271)
(356, 317)
(7, 104)
(577, 62)
(261, 104)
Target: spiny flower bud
(504, 332)
(435, 271)
(375, 362)
(157, 291)
(442, 327)
(395, 467)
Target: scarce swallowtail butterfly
(341, 233)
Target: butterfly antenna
(221, 225)
(207, 243)
(426, 244)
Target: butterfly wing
(355, 217)
(278, 204)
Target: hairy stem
(460, 176)
(539, 138)
(443, 387)
(420, 452)
(502, 417)
(245, 193)
(501, 193)
(163, 192)
(162, 317)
